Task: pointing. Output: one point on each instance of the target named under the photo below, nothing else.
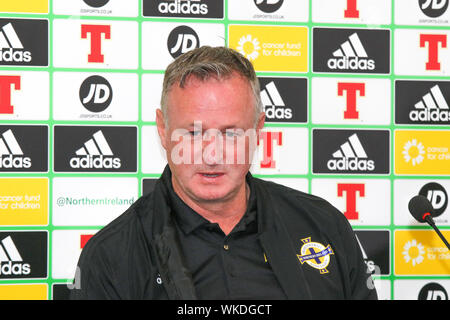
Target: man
(210, 230)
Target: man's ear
(161, 126)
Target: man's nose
(213, 149)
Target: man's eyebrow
(221, 128)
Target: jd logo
(182, 39)
(268, 6)
(96, 3)
(96, 93)
(433, 8)
(433, 291)
(437, 196)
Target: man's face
(197, 142)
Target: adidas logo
(11, 48)
(351, 56)
(96, 153)
(432, 107)
(183, 7)
(352, 156)
(10, 259)
(11, 155)
(274, 106)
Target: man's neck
(226, 214)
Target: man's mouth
(211, 175)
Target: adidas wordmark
(351, 156)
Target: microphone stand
(428, 218)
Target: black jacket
(138, 256)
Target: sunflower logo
(249, 47)
(413, 151)
(413, 252)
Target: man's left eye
(234, 133)
(195, 133)
(230, 134)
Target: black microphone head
(418, 206)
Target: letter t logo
(433, 41)
(5, 92)
(268, 140)
(350, 189)
(96, 32)
(352, 10)
(351, 89)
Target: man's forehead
(200, 79)
(209, 120)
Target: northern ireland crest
(315, 254)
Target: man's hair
(206, 62)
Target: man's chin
(211, 195)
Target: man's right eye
(195, 133)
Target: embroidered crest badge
(315, 254)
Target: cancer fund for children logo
(422, 152)
(272, 48)
(24, 6)
(420, 252)
(23, 201)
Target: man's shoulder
(123, 228)
(283, 190)
(293, 203)
(104, 264)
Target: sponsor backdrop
(356, 94)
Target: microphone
(422, 210)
